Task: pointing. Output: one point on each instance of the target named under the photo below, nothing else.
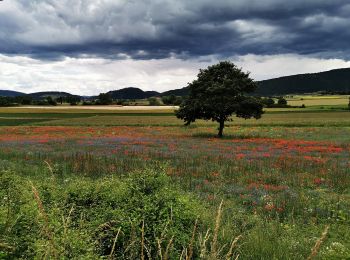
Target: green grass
(271, 117)
(319, 101)
(82, 110)
(20, 121)
(283, 179)
(78, 115)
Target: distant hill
(132, 93)
(53, 94)
(10, 93)
(136, 93)
(330, 81)
(333, 81)
(176, 92)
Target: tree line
(48, 100)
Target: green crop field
(89, 184)
(332, 100)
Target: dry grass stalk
(47, 230)
(50, 168)
(203, 244)
(131, 244)
(159, 243)
(216, 232)
(114, 243)
(233, 244)
(318, 244)
(190, 247)
(167, 249)
(66, 221)
(183, 253)
(161, 239)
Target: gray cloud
(154, 29)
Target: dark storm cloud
(150, 29)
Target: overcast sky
(91, 46)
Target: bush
(86, 218)
(282, 101)
(268, 102)
(172, 100)
(7, 102)
(150, 212)
(50, 101)
(153, 101)
(104, 99)
(18, 229)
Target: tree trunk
(221, 128)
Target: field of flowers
(281, 185)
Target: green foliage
(168, 100)
(38, 100)
(153, 101)
(50, 101)
(82, 218)
(18, 229)
(152, 207)
(9, 101)
(72, 100)
(5, 101)
(217, 93)
(282, 101)
(172, 100)
(268, 102)
(104, 99)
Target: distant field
(88, 109)
(273, 119)
(167, 118)
(318, 100)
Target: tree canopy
(105, 99)
(218, 92)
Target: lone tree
(217, 93)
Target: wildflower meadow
(262, 192)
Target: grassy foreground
(137, 185)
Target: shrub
(282, 101)
(18, 229)
(143, 214)
(82, 217)
(153, 101)
(50, 101)
(268, 102)
(151, 215)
